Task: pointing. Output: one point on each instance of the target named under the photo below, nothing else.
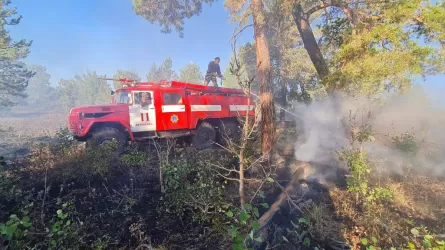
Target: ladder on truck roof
(192, 88)
(201, 89)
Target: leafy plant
(192, 187)
(63, 232)
(406, 143)
(357, 181)
(378, 194)
(246, 224)
(428, 241)
(135, 158)
(369, 244)
(15, 228)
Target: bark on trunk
(264, 76)
(283, 100)
(310, 44)
(283, 83)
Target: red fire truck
(141, 111)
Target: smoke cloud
(324, 127)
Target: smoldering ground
(408, 131)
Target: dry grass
(417, 201)
(323, 225)
(19, 130)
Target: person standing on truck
(213, 71)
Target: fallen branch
(265, 219)
(292, 202)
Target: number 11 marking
(142, 116)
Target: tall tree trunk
(310, 44)
(283, 84)
(283, 98)
(264, 76)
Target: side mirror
(112, 92)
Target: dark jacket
(214, 68)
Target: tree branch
(235, 35)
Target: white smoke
(324, 128)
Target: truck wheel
(205, 136)
(228, 130)
(106, 135)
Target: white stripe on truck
(173, 108)
(205, 108)
(240, 107)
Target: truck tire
(105, 135)
(205, 136)
(228, 130)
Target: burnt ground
(117, 204)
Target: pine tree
(191, 73)
(122, 73)
(14, 75)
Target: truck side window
(172, 98)
(143, 98)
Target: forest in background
(86, 88)
(361, 166)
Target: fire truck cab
(145, 110)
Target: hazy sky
(104, 35)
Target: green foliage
(64, 138)
(244, 225)
(63, 230)
(15, 228)
(65, 198)
(135, 158)
(91, 89)
(191, 73)
(86, 89)
(168, 14)
(39, 90)
(163, 72)
(358, 179)
(301, 232)
(231, 80)
(386, 35)
(369, 244)
(356, 162)
(68, 94)
(247, 58)
(428, 241)
(378, 194)
(9, 192)
(121, 73)
(192, 187)
(14, 78)
(406, 143)
(14, 75)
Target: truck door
(142, 112)
(173, 111)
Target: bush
(193, 187)
(406, 143)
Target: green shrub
(406, 143)
(194, 188)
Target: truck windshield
(123, 97)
